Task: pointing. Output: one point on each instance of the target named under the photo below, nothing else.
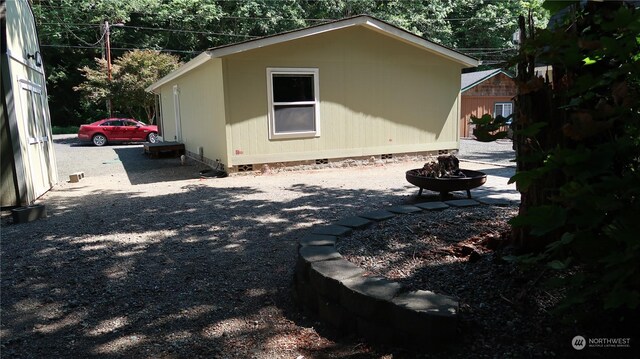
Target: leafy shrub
(64, 130)
(578, 154)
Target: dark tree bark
(536, 103)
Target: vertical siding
(477, 106)
(378, 95)
(202, 111)
(35, 164)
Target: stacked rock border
(375, 308)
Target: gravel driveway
(144, 259)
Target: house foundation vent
(324, 161)
(245, 168)
(386, 157)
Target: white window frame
(273, 135)
(36, 111)
(495, 109)
(177, 113)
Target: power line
(186, 31)
(228, 17)
(157, 29)
(120, 48)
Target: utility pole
(107, 32)
(106, 39)
(108, 51)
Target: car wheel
(99, 140)
(153, 137)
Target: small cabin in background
(28, 160)
(482, 92)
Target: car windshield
(141, 123)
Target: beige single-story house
(357, 87)
(28, 159)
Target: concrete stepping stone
(462, 203)
(426, 317)
(432, 206)
(331, 230)
(319, 253)
(318, 240)
(368, 296)
(494, 201)
(353, 222)
(326, 276)
(380, 215)
(406, 209)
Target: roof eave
(374, 24)
(498, 71)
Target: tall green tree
(578, 152)
(71, 35)
(72, 32)
(131, 73)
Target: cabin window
(293, 103)
(503, 109)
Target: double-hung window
(503, 109)
(293, 103)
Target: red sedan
(118, 129)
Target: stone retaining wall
(373, 307)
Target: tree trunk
(536, 103)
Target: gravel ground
(500, 152)
(145, 259)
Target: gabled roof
(473, 79)
(361, 20)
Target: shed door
(35, 124)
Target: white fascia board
(195, 62)
(496, 72)
(366, 21)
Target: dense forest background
(72, 32)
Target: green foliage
(584, 154)
(64, 130)
(72, 31)
(488, 128)
(132, 73)
(541, 219)
(501, 17)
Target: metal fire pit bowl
(445, 185)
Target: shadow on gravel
(141, 169)
(505, 172)
(194, 274)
